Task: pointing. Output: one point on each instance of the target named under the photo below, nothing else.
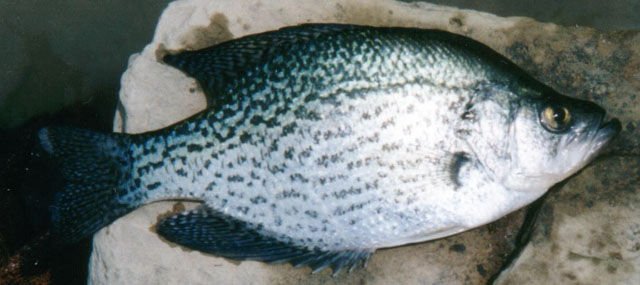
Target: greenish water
(60, 53)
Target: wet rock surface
(576, 61)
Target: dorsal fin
(215, 67)
(209, 231)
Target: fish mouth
(610, 129)
(605, 133)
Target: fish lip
(606, 131)
(610, 129)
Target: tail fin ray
(96, 168)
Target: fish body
(323, 143)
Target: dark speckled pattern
(304, 131)
(337, 140)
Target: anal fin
(209, 231)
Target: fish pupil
(559, 114)
(555, 118)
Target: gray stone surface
(576, 61)
(588, 231)
(604, 15)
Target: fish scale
(311, 102)
(306, 181)
(323, 143)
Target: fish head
(528, 140)
(551, 137)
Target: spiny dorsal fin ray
(216, 67)
(206, 230)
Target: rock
(588, 232)
(129, 252)
(575, 61)
(148, 86)
(585, 63)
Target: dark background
(61, 64)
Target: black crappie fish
(326, 142)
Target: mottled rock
(588, 231)
(585, 63)
(154, 95)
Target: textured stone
(588, 232)
(154, 95)
(129, 252)
(576, 61)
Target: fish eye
(555, 118)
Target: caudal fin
(96, 167)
